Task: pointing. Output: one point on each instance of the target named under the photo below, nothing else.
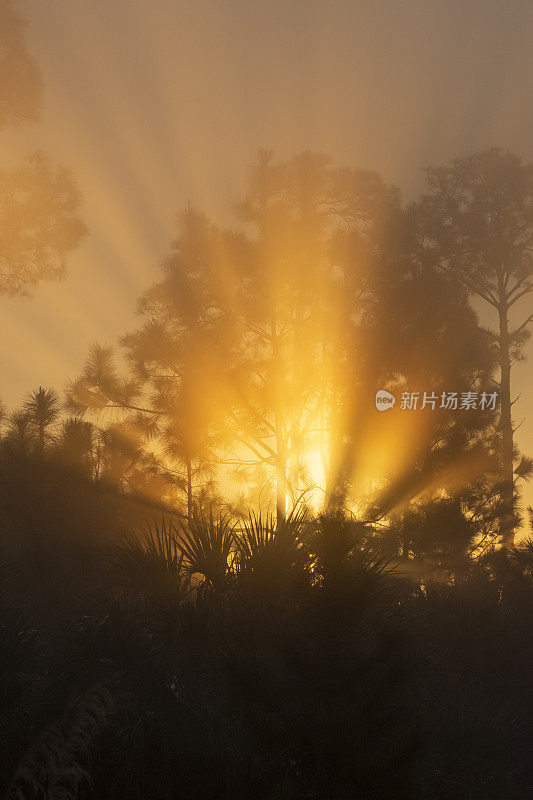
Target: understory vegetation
(221, 658)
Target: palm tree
(19, 435)
(42, 407)
(271, 559)
(206, 542)
(76, 444)
(150, 563)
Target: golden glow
(314, 465)
(155, 125)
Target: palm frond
(151, 564)
(271, 558)
(206, 543)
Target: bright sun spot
(315, 469)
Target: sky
(155, 104)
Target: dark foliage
(307, 667)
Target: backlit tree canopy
(39, 224)
(20, 81)
(479, 227)
(39, 203)
(254, 371)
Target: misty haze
(266, 496)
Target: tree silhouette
(411, 329)
(480, 229)
(19, 436)
(39, 223)
(278, 309)
(239, 361)
(173, 355)
(166, 395)
(39, 226)
(77, 447)
(298, 303)
(20, 81)
(259, 345)
(42, 409)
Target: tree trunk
(281, 444)
(281, 479)
(506, 425)
(189, 490)
(42, 439)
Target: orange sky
(154, 104)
